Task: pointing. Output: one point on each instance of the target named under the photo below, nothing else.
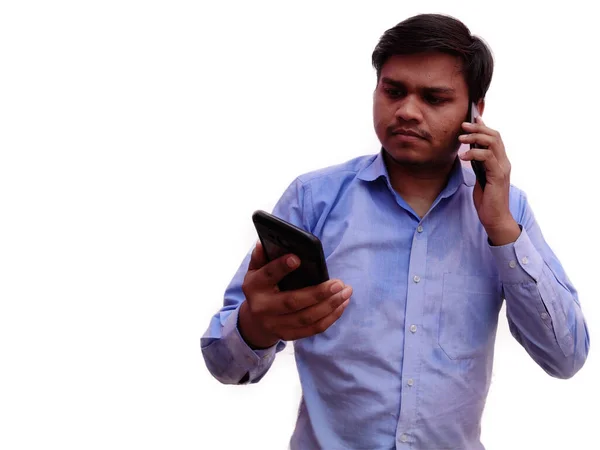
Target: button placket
(412, 339)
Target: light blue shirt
(408, 364)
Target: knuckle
(335, 302)
(290, 302)
(322, 293)
(247, 286)
(269, 271)
(305, 320)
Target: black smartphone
(279, 237)
(477, 166)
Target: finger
(490, 162)
(479, 127)
(480, 139)
(313, 314)
(290, 302)
(271, 273)
(258, 257)
(318, 327)
(478, 154)
(484, 137)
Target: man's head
(429, 67)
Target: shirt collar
(374, 169)
(460, 174)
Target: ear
(481, 106)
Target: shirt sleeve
(542, 305)
(227, 356)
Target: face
(418, 107)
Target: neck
(418, 185)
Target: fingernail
(292, 262)
(337, 287)
(347, 292)
(345, 303)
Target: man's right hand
(269, 315)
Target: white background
(136, 139)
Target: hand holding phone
(279, 237)
(477, 166)
(270, 314)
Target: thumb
(258, 257)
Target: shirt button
(420, 229)
(410, 382)
(413, 328)
(512, 264)
(416, 278)
(544, 316)
(525, 260)
(404, 437)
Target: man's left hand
(491, 203)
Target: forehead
(426, 69)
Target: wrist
(252, 333)
(506, 233)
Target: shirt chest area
(433, 277)
(373, 237)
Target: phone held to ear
(477, 166)
(279, 237)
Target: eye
(433, 100)
(393, 93)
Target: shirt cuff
(518, 262)
(253, 362)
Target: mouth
(406, 135)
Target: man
(396, 350)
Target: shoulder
(317, 191)
(336, 174)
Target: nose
(408, 110)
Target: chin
(407, 155)
(417, 158)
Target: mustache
(395, 129)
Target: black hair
(439, 33)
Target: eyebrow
(430, 89)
